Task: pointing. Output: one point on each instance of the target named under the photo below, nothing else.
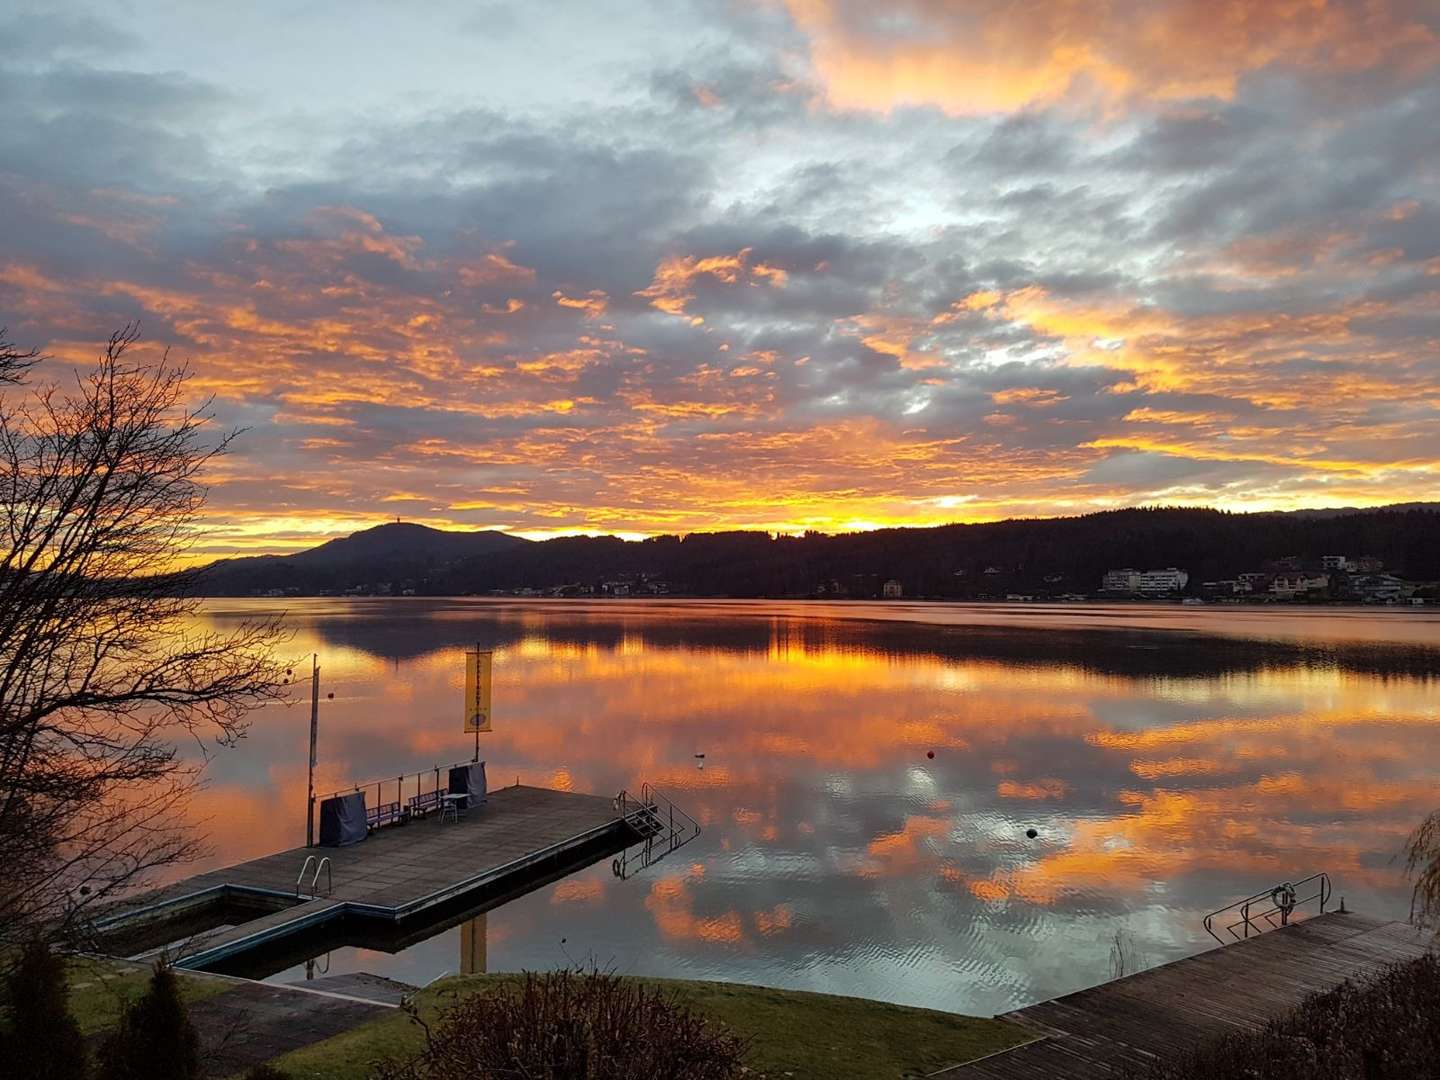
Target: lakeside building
(1160, 581)
(892, 590)
(1300, 583)
(1126, 581)
(1145, 582)
(1381, 588)
(1226, 587)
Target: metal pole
(314, 732)
(477, 693)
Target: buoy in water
(1031, 833)
(929, 753)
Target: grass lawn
(811, 1036)
(100, 990)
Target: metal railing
(322, 865)
(1256, 914)
(663, 826)
(426, 782)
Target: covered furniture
(343, 820)
(469, 781)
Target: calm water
(1172, 759)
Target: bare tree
(13, 359)
(101, 667)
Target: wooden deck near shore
(399, 873)
(1239, 987)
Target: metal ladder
(323, 864)
(1256, 914)
(662, 826)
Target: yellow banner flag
(477, 690)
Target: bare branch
(101, 661)
(15, 360)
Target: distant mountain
(1041, 557)
(393, 553)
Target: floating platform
(1130, 1022)
(402, 883)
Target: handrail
(1282, 900)
(329, 878)
(309, 861)
(400, 782)
(664, 826)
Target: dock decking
(1239, 987)
(398, 873)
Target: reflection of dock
(474, 958)
(399, 877)
(1128, 1023)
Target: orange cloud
(593, 304)
(973, 58)
(673, 286)
(494, 267)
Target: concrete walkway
(254, 1022)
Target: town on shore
(1388, 556)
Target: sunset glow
(782, 265)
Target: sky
(778, 264)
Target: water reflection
(1165, 768)
(472, 946)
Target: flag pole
(477, 691)
(314, 732)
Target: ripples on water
(1169, 759)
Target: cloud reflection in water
(1165, 773)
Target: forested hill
(1051, 556)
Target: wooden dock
(1131, 1021)
(410, 873)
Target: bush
(154, 1040)
(573, 1025)
(41, 1041)
(1387, 1028)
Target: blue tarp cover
(342, 820)
(469, 780)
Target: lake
(1170, 759)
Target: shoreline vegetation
(801, 1033)
(1383, 1024)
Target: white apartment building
(1145, 581)
(1159, 581)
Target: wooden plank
(1101, 1031)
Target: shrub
(1386, 1028)
(41, 1041)
(573, 1025)
(155, 1040)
